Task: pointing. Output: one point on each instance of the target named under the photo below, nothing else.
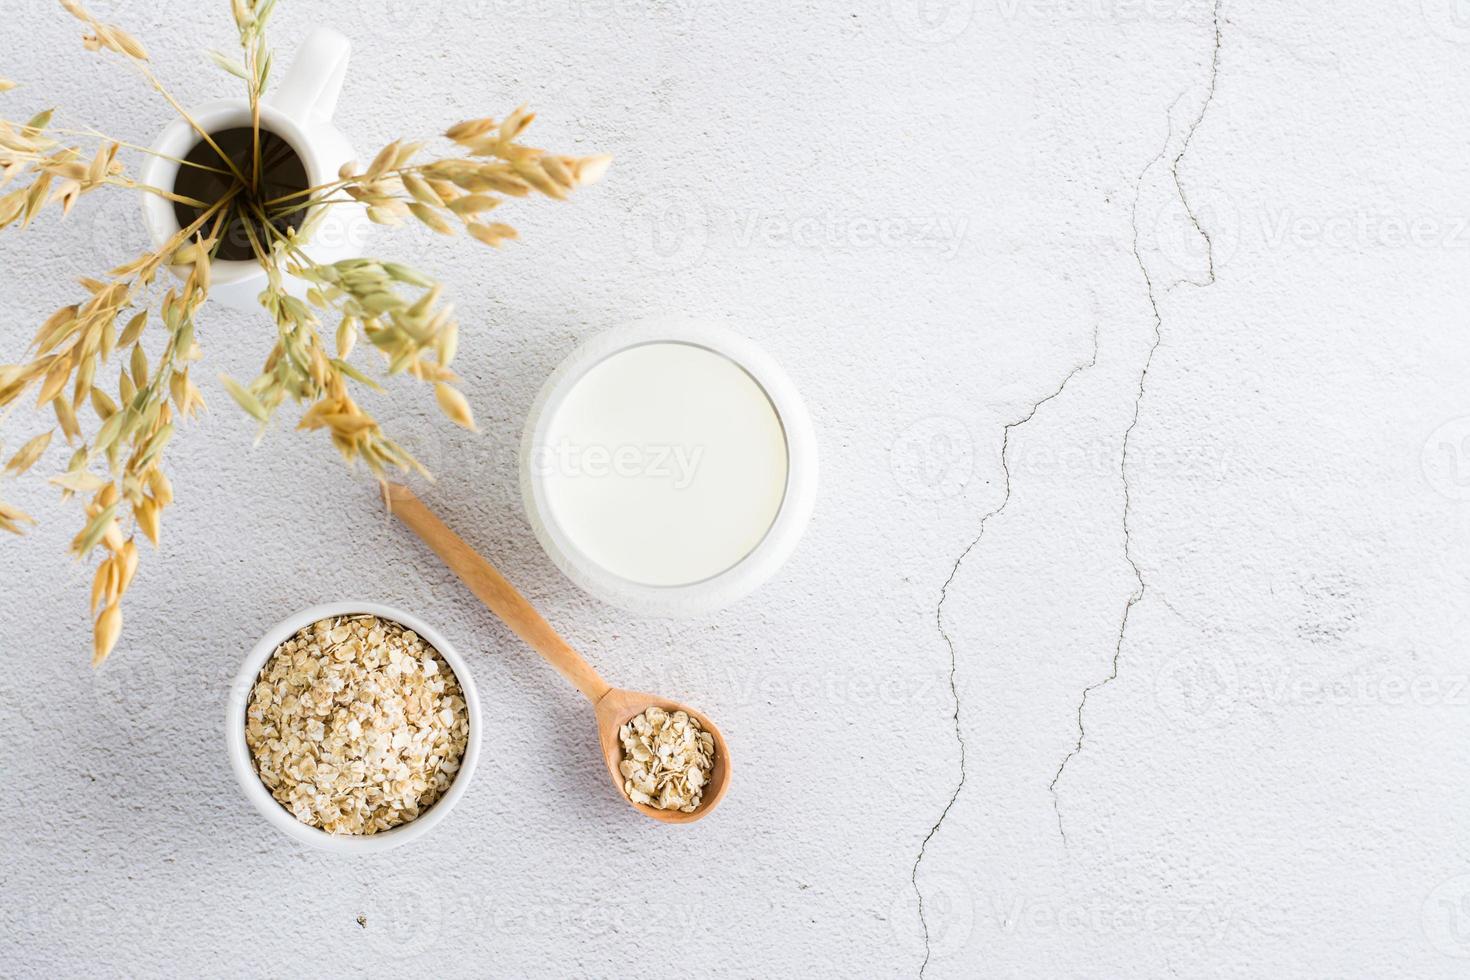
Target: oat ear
(396, 309)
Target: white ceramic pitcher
(299, 111)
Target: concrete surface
(1129, 633)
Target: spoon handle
(494, 591)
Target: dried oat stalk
(115, 466)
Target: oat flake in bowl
(356, 725)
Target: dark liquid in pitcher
(281, 173)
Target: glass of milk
(668, 467)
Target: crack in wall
(1183, 149)
(1005, 445)
(1158, 325)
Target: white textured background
(934, 213)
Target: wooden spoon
(612, 706)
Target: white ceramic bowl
(745, 575)
(260, 797)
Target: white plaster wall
(965, 227)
